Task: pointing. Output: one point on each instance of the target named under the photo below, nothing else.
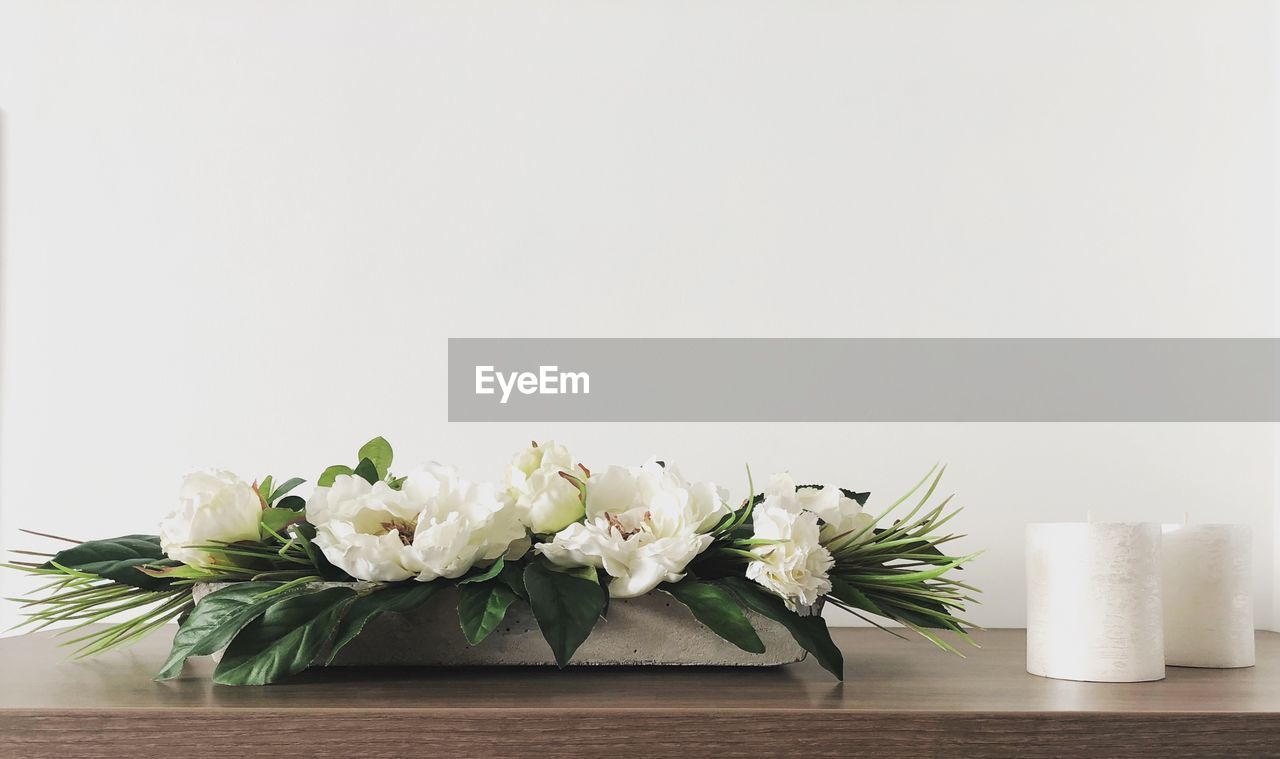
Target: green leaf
(842, 590)
(176, 571)
(278, 520)
(488, 574)
(116, 559)
(285, 640)
(482, 607)
(368, 471)
(393, 598)
(716, 608)
(861, 498)
(264, 489)
(292, 503)
(214, 622)
(329, 475)
(284, 488)
(810, 632)
(377, 451)
(513, 576)
(565, 605)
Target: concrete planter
(651, 630)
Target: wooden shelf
(900, 699)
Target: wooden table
(900, 699)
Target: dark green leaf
(716, 608)
(482, 607)
(305, 534)
(215, 621)
(329, 475)
(368, 471)
(393, 598)
(116, 559)
(842, 590)
(488, 574)
(513, 576)
(286, 639)
(284, 488)
(920, 612)
(565, 605)
(861, 498)
(377, 451)
(810, 632)
(292, 503)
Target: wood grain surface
(899, 699)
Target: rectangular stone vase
(654, 629)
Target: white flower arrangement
(553, 534)
(643, 526)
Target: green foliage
(386, 598)
(901, 573)
(373, 464)
(493, 570)
(285, 639)
(81, 599)
(481, 608)
(282, 490)
(366, 470)
(566, 606)
(330, 474)
(275, 521)
(118, 559)
(378, 452)
(292, 502)
(810, 632)
(215, 621)
(716, 608)
(512, 575)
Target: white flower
(546, 501)
(796, 567)
(840, 514)
(461, 523)
(214, 505)
(365, 530)
(644, 525)
(437, 525)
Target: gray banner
(863, 380)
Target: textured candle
(1208, 601)
(1093, 602)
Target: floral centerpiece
(553, 534)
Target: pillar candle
(1208, 601)
(1093, 601)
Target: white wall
(239, 233)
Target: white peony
(795, 568)
(840, 514)
(546, 501)
(437, 525)
(214, 505)
(365, 530)
(644, 525)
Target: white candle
(1093, 602)
(1208, 595)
